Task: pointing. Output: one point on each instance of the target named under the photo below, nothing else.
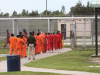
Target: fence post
(75, 35)
(92, 32)
(13, 25)
(37, 26)
(48, 26)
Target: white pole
(13, 25)
(17, 28)
(48, 26)
(83, 32)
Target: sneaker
(33, 58)
(28, 58)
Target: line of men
(43, 43)
(46, 42)
(18, 45)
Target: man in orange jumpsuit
(24, 45)
(36, 50)
(55, 41)
(38, 43)
(7, 39)
(43, 41)
(19, 45)
(13, 41)
(45, 45)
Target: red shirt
(60, 35)
(25, 34)
(50, 38)
(54, 37)
(45, 37)
(8, 36)
(58, 38)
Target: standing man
(58, 40)
(61, 38)
(13, 41)
(43, 41)
(31, 45)
(19, 45)
(45, 45)
(55, 41)
(25, 33)
(51, 41)
(7, 39)
(24, 45)
(38, 44)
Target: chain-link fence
(77, 33)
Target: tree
(24, 12)
(1, 14)
(6, 14)
(33, 13)
(63, 9)
(80, 9)
(14, 13)
(48, 12)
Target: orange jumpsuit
(36, 51)
(24, 46)
(13, 41)
(38, 44)
(43, 42)
(19, 45)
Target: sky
(40, 5)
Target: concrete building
(83, 27)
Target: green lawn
(3, 58)
(29, 73)
(4, 51)
(75, 60)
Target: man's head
(24, 30)
(12, 34)
(53, 33)
(30, 33)
(18, 36)
(7, 30)
(20, 33)
(37, 34)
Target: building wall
(81, 26)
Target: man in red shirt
(51, 41)
(25, 33)
(55, 41)
(48, 37)
(7, 39)
(58, 41)
(61, 38)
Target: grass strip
(75, 60)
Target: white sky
(40, 5)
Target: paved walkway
(3, 64)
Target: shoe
(33, 58)
(28, 58)
(25, 56)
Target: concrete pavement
(3, 64)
